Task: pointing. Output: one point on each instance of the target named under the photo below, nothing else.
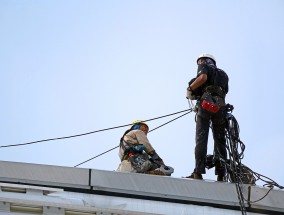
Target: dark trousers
(202, 130)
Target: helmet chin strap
(210, 62)
(135, 127)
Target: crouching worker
(137, 154)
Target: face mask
(209, 62)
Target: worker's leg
(202, 129)
(218, 128)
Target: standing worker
(209, 88)
(138, 155)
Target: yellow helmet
(138, 122)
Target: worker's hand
(195, 109)
(190, 95)
(156, 158)
(160, 162)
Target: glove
(159, 162)
(195, 109)
(190, 95)
(156, 158)
(139, 148)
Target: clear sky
(70, 67)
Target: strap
(127, 148)
(215, 89)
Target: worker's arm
(199, 81)
(142, 139)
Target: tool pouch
(140, 162)
(211, 103)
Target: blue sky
(71, 67)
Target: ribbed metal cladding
(132, 186)
(44, 174)
(267, 199)
(164, 187)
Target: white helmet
(204, 55)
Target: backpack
(221, 79)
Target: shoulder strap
(126, 148)
(126, 132)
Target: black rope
(96, 156)
(88, 133)
(237, 172)
(170, 121)
(261, 197)
(190, 110)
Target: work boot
(221, 178)
(197, 176)
(155, 172)
(189, 176)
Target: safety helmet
(138, 123)
(205, 55)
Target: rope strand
(88, 133)
(118, 146)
